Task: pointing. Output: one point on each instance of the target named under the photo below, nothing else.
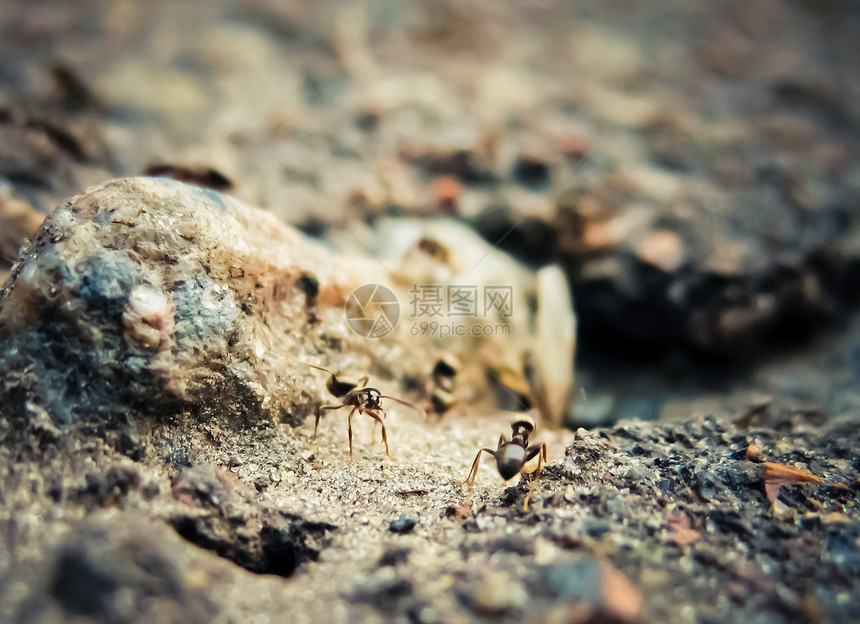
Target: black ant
(356, 395)
(441, 389)
(511, 456)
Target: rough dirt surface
(659, 522)
(693, 168)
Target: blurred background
(692, 166)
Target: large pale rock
(151, 296)
(161, 297)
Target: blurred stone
(402, 525)
(531, 171)
(131, 296)
(203, 484)
(663, 249)
(260, 540)
(385, 591)
(446, 194)
(593, 591)
(18, 222)
(592, 411)
(555, 346)
(497, 593)
(529, 239)
(151, 89)
(118, 570)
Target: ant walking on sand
(512, 455)
(356, 395)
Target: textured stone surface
(153, 295)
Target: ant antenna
(406, 403)
(325, 370)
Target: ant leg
(375, 427)
(363, 381)
(542, 459)
(531, 488)
(375, 416)
(349, 430)
(473, 473)
(539, 451)
(319, 413)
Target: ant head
(441, 401)
(370, 398)
(523, 422)
(444, 372)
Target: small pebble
(497, 593)
(402, 525)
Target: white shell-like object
(148, 318)
(555, 345)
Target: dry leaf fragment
(777, 475)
